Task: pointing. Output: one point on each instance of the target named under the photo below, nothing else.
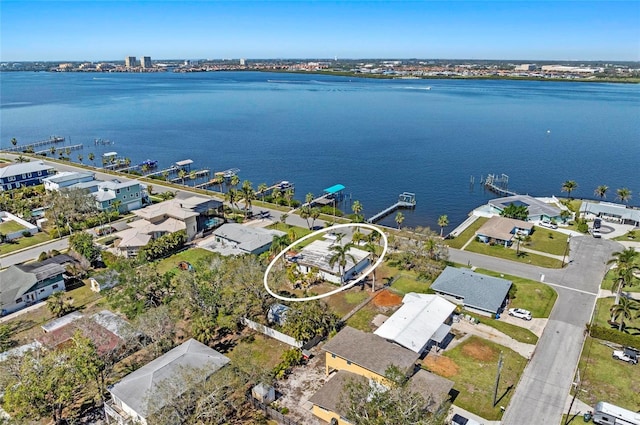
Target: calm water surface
(377, 137)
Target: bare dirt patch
(303, 382)
(387, 299)
(441, 365)
(479, 351)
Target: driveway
(540, 396)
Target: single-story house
(538, 209)
(31, 173)
(317, 254)
(502, 230)
(422, 320)
(26, 284)
(609, 211)
(477, 292)
(238, 239)
(130, 396)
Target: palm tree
(248, 194)
(519, 237)
(58, 305)
(399, 219)
(279, 243)
(601, 191)
(314, 213)
(356, 207)
(373, 257)
(231, 197)
(165, 175)
(52, 149)
(262, 188)
(308, 198)
(21, 158)
(623, 310)
(276, 195)
(116, 206)
(283, 218)
(443, 221)
(624, 194)
(182, 174)
(80, 157)
(340, 255)
(569, 186)
(288, 195)
(14, 141)
(91, 157)
(625, 267)
(234, 181)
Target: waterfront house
(14, 176)
(317, 254)
(537, 208)
(476, 292)
(26, 284)
(502, 230)
(422, 321)
(608, 211)
(131, 396)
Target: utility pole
(495, 389)
(575, 394)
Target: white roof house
(238, 239)
(130, 397)
(318, 254)
(66, 179)
(422, 318)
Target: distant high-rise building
(145, 62)
(130, 61)
(242, 62)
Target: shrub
(26, 233)
(613, 335)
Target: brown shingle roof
(330, 395)
(500, 228)
(433, 388)
(370, 351)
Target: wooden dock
(498, 185)
(61, 149)
(197, 174)
(406, 200)
(22, 148)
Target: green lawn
(10, 226)
(192, 256)
(632, 235)
(534, 296)
(510, 254)
(406, 283)
(516, 332)
(362, 319)
(470, 232)
(260, 349)
(610, 282)
(607, 379)
(603, 314)
(476, 360)
(24, 242)
(547, 240)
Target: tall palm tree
(624, 194)
(622, 311)
(283, 218)
(276, 195)
(443, 221)
(288, 195)
(234, 181)
(80, 157)
(182, 174)
(92, 157)
(625, 261)
(14, 141)
(262, 188)
(569, 186)
(399, 219)
(52, 149)
(231, 197)
(279, 243)
(601, 191)
(248, 194)
(315, 214)
(371, 248)
(356, 207)
(340, 255)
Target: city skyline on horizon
(460, 30)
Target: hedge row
(615, 336)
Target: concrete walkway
(465, 413)
(491, 334)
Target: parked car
(597, 223)
(520, 313)
(596, 233)
(627, 354)
(548, 225)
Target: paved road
(33, 253)
(540, 396)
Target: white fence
(28, 227)
(272, 333)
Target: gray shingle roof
(535, 206)
(370, 351)
(135, 389)
(330, 395)
(247, 238)
(478, 291)
(23, 168)
(17, 280)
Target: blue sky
(111, 30)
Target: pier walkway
(405, 200)
(498, 185)
(61, 149)
(50, 141)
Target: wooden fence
(271, 413)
